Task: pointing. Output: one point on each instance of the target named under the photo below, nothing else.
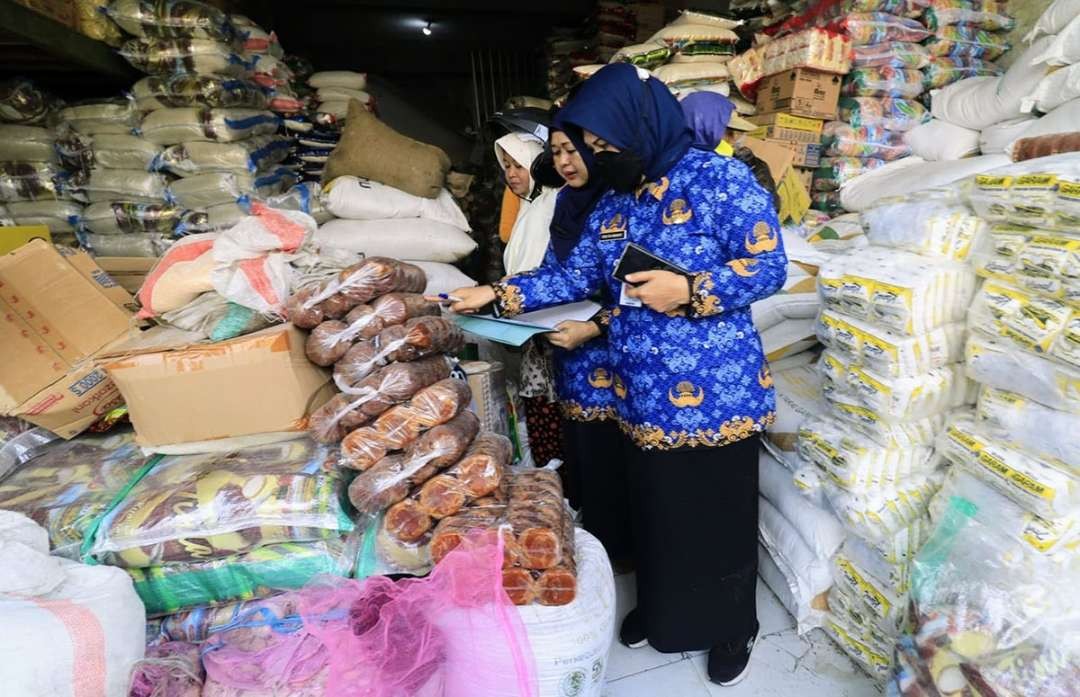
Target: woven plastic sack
(117, 151)
(246, 156)
(32, 181)
(878, 27)
(122, 217)
(883, 82)
(1063, 49)
(255, 38)
(124, 185)
(177, 18)
(987, 613)
(890, 113)
(26, 144)
(181, 56)
(892, 54)
(171, 126)
(116, 117)
(215, 188)
(871, 142)
(1055, 18)
(149, 245)
(174, 588)
(936, 228)
(70, 485)
(964, 41)
(58, 216)
(185, 90)
(453, 633)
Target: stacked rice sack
(39, 162)
(388, 193)
(892, 324)
(320, 134)
(993, 600)
(205, 132)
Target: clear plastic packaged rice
(124, 217)
(176, 56)
(1034, 323)
(175, 18)
(187, 90)
(940, 228)
(840, 139)
(69, 486)
(33, 181)
(856, 463)
(887, 352)
(249, 156)
(902, 292)
(1027, 425)
(1040, 261)
(1040, 199)
(203, 507)
(171, 126)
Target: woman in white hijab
(515, 153)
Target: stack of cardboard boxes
(792, 108)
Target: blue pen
(444, 297)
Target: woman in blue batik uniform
(693, 390)
(583, 377)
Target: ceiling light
(427, 29)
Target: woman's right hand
(472, 299)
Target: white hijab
(532, 228)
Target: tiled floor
(783, 664)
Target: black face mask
(622, 171)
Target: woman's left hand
(662, 291)
(571, 334)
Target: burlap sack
(369, 148)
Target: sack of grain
(400, 238)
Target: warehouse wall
(1026, 13)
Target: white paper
(550, 317)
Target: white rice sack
(809, 612)
(798, 298)
(58, 216)
(798, 562)
(195, 56)
(249, 156)
(363, 199)
(700, 18)
(26, 144)
(940, 140)
(171, 126)
(123, 217)
(997, 138)
(1025, 424)
(1055, 18)
(979, 102)
(1062, 49)
(678, 75)
(338, 78)
(910, 175)
(1064, 119)
(1055, 89)
(214, 219)
(999, 364)
(788, 339)
(327, 94)
(680, 34)
(338, 108)
(114, 151)
(905, 293)
(442, 278)
(217, 188)
(124, 184)
(401, 238)
(149, 245)
(856, 463)
(819, 528)
(798, 398)
(119, 117)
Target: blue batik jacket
(695, 377)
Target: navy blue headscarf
(707, 114)
(573, 206)
(640, 116)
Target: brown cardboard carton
(128, 272)
(800, 92)
(806, 154)
(179, 391)
(777, 157)
(57, 313)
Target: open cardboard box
(180, 390)
(58, 311)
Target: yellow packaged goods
(1049, 200)
(1027, 425)
(58, 313)
(944, 229)
(181, 392)
(789, 121)
(856, 463)
(1035, 484)
(203, 507)
(902, 292)
(1000, 363)
(1043, 262)
(1033, 323)
(886, 352)
(70, 485)
(895, 399)
(369, 148)
(800, 92)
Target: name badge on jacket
(614, 229)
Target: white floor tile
(772, 615)
(675, 680)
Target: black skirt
(695, 517)
(597, 472)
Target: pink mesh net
(452, 634)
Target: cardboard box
(777, 157)
(800, 92)
(128, 272)
(15, 236)
(789, 121)
(58, 311)
(180, 391)
(806, 154)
